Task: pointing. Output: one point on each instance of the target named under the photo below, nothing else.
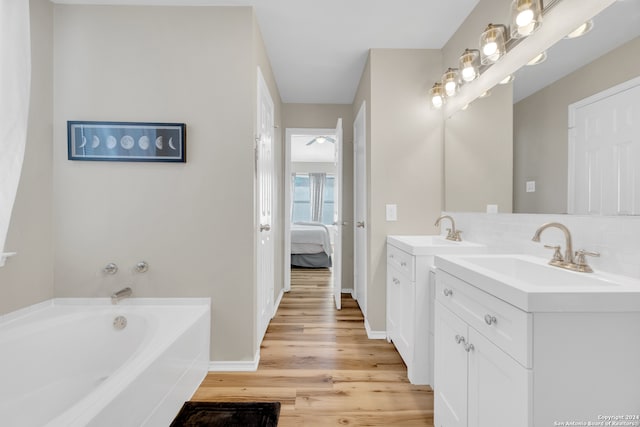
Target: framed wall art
(126, 141)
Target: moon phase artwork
(126, 141)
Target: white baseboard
(235, 366)
(347, 291)
(374, 335)
(277, 304)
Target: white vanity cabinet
(479, 382)
(500, 365)
(409, 309)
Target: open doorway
(313, 179)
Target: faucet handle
(581, 261)
(557, 256)
(454, 235)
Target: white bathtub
(64, 364)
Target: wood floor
(318, 362)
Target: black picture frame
(126, 141)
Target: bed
(310, 245)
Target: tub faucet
(568, 262)
(120, 295)
(452, 233)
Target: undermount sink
(531, 284)
(432, 245)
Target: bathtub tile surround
(614, 237)
(78, 366)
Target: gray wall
(404, 156)
(326, 116)
(194, 223)
(540, 128)
(478, 159)
(28, 277)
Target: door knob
(265, 227)
(360, 224)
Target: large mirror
(523, 125)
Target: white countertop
(532, 285)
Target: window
(301, 196)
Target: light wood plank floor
(318, 362)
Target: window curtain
(15, 78)
(316, 187)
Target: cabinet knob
(447, 292)
(489, 319)
(468, 347)
(396, 281)
(459, 339)
(403, 264)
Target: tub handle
(110, 268)
(141, 267)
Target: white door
(337, 219)
(450, 374)
(604, 151)
(499, 387)
(264, 194)
(360, 209)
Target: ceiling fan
(321, 140)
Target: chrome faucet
(452, 233)
(568, 261)
(120, 295)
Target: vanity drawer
(505, 325)
(403, 261)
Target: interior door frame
(360, 293)
(289, 133)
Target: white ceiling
(301, 152)
(318, 48)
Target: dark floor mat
(228, 414)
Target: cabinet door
(393, 302)
(499, 387)
(450, 372)
(406, 315)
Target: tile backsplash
(616, 238)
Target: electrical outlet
(531, 187)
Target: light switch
(392, 212)
(531, 187)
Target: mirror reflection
(520, 161)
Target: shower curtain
(15, 78)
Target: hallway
(319, 363)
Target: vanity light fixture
(469, 65)
(437, 96)
(451, 82)
(581, 30)
(492, 43)
(507, 79)
(538, 59)
(526, 16)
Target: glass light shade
(451, 82)
(539, 58)
(437, 96)
(469, 65)
(492, 44)
(526, 16)
(581, 30)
